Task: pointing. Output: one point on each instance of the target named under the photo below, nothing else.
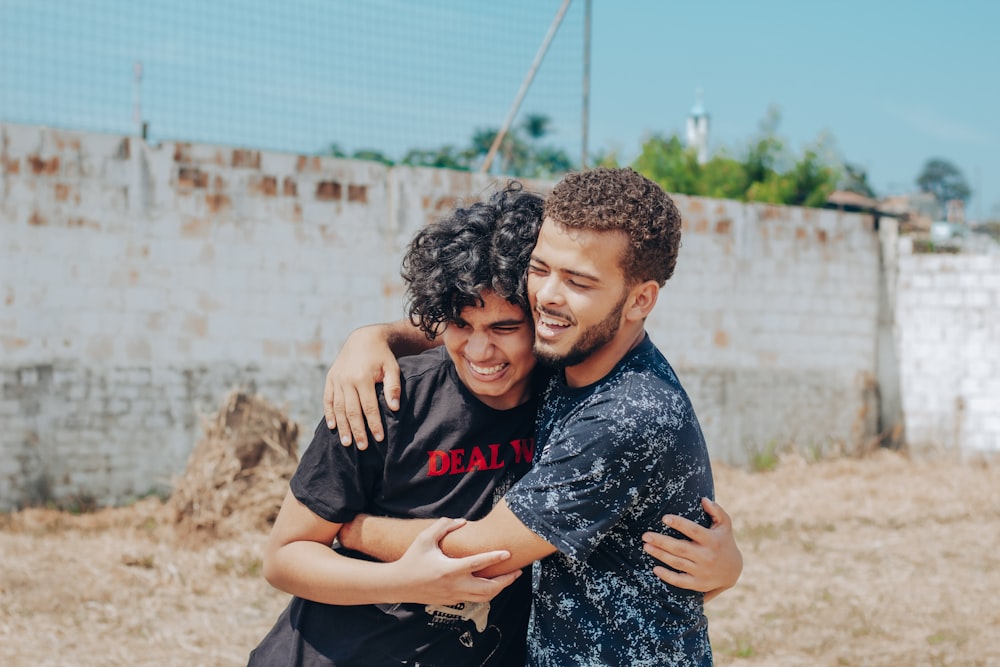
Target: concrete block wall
(140, 284)
(948, 319)
(770, 320)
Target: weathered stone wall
(771, 320)
(139, 284)
(948, 319)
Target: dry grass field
(880, 560)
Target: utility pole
(585, 117)
(140, 130)
(524, 86)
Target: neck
(600, 363)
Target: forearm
(315, 572)
(404, 339)
(387, 539)
(382, 537)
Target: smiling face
(491, 349)
(580, 299)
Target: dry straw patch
(878, 560)
(237, 473)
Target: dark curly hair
(485, 246)
(620, 199)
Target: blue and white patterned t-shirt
(614, 457)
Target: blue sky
(892, 83)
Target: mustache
(553, 313)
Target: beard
(591, 339)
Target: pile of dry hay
(238, 472)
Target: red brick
(328, 191)
(357, 193)
(246, 159)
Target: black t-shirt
(445, 454)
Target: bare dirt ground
(881, 560)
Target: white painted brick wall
(948, 319)
(770, 320)
(139, 284)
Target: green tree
(854, 178)
(944, 180)
(372, 155)
(813, 179)
(446, 157)
(522, 152)
(767, 172)
(666, 161)
(536, 125)
(723, 177)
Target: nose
(546, 289)
(478, 346)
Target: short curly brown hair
(620, 199)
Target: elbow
(270, 569)
(270, 572)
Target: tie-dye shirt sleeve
(598, 461)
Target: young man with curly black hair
(619, 445)
(462, 435)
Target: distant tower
(697, 129)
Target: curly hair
(620, 199)
(485, 246)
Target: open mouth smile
(548, 327)
(487, 371)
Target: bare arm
(500, 530)
(710, 562)
(367, 358)
(298, 560)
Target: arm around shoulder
(367, 358)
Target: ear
(641, 300)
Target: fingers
(479, 589)
(714, 510)
(390, 385)
(434, 533)
(368, 413)
(673, 552)
(339, 419)
(479, 562)
(453, 580)
(502, 581)
(328, 396)
(694, 531)
(678, 579)
(348, 413)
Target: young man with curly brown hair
(618, 442)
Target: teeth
(487, 370)
(550, 322)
